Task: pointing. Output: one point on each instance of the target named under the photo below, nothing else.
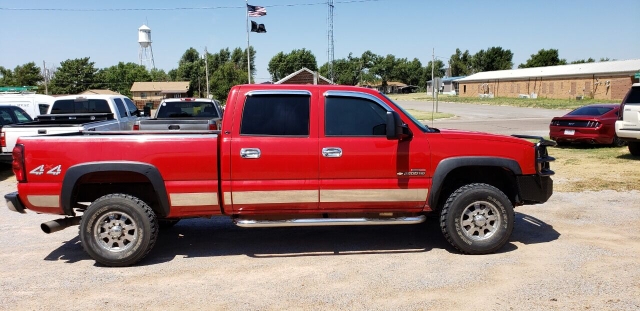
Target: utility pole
(433, 79)
(45, 76)
(206, 68)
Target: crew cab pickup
(184, 114)
(75, 113)
(287, 155)
(628, 124)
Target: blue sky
(405, 28)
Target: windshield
(590, 111)
(422, 127)
(80, 106)
(188, 109)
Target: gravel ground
(578, 251)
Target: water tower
(145, 53)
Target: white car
(628, 124)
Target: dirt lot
(579, 251)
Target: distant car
(593, 124)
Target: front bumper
(534, 189)
(14, 203)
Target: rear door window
(276, 115)
(80, 106)
(120, 106)
(5, 117)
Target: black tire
(617, 142)
(489, 207)
(128, 226)
(166, 224)
(634, 148)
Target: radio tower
(330, 50)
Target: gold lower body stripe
(44, 200)
(275, 197)
(374, 195)
(194, 199)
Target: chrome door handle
(250, 153)
(331, 152)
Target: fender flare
(447, 165)
(75, 172)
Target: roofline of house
(551, 77)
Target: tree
(6, 77)
(27, 75)
(284, 64)
(583, 61)
(408, 72)
(225, 77)
(544, 58)
(159, 75)
(191, 68)
(346, 71)
(121, 77)
(383, 68)
(73, 76)
(494, 58)
(460, 63)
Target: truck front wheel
(477, 219)
(118, 230)
(634, 148)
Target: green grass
(547, 103)
(426, 115)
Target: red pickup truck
(287, 155)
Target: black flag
(259, 28)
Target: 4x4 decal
(56, 170)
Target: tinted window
(276, 115)
(5, 116)
(346, 116)
(590, 111)
(130, 105)
(44, 108)
(21, 116)
(120, 105)
(634, 97)
(80, 106)
(192, 109)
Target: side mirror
(147, 111)
(394, 126)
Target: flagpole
(248, 50)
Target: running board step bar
(313, 222)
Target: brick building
(602, 80)
(304, 76)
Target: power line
(177, 8)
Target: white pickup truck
(184, 114)
(628, 124)
(74, 113)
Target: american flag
(256, 11)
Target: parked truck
(183, 114)
(287, 155)
(74, 113)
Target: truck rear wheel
(477, 219)
(118, 230)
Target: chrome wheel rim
(116, 232)
(480, 220)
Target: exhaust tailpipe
(59, 224)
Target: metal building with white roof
(602, 80)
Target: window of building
(143, 95)
(276, 115)
(464, 89)
(349, 116)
